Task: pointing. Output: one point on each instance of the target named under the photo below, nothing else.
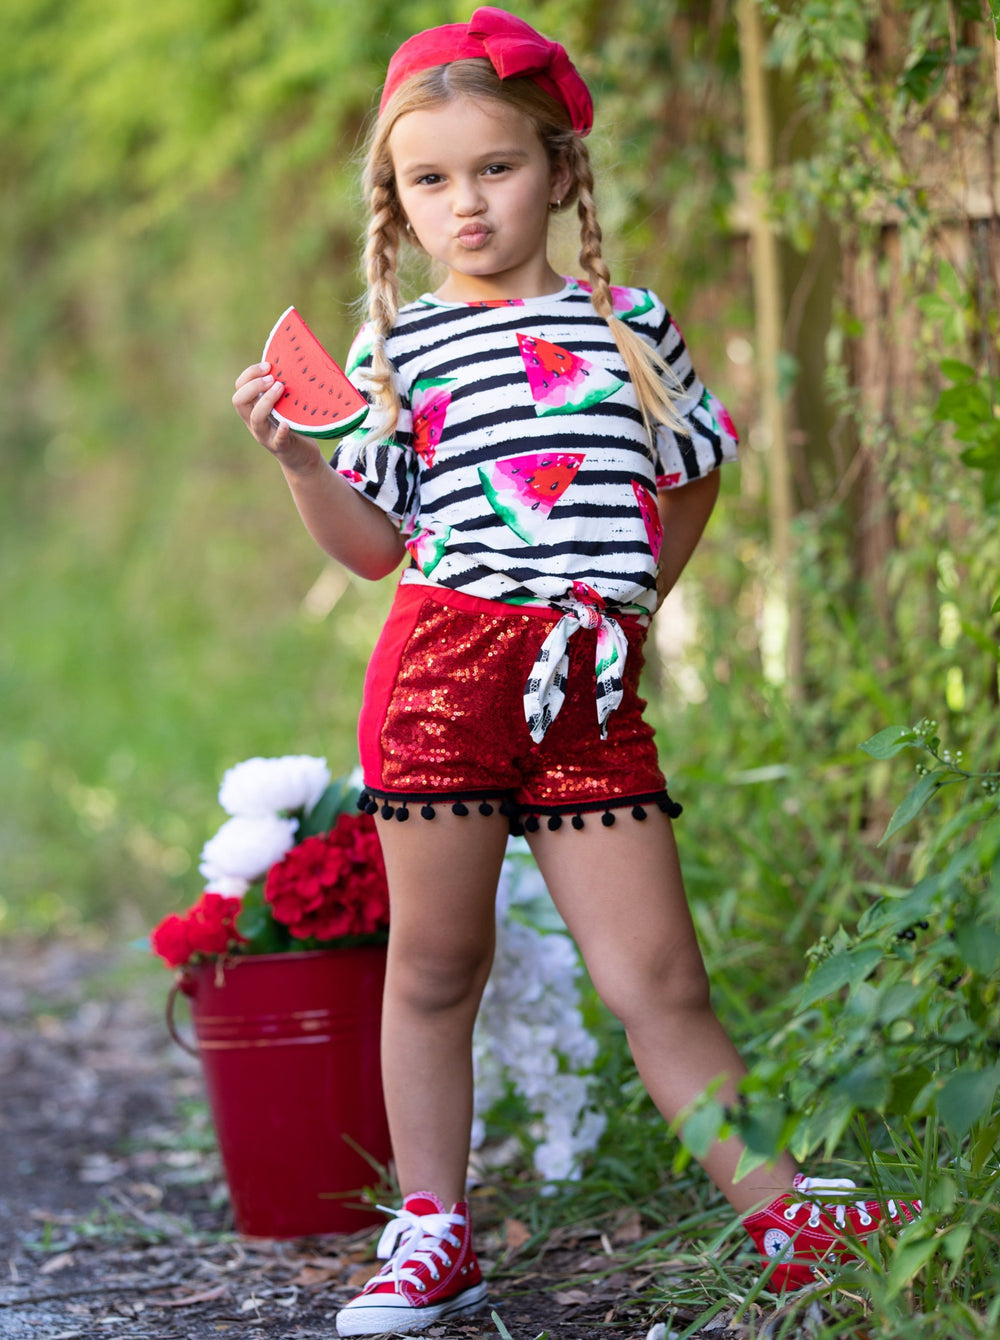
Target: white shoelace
(837, 1210)
(416, 1239)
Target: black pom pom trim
(459, 808)
(672, 808)
(531, 823)
(402, 814)
(638, 812)
(427, 811)
(607, 819)
(508, 810)
(387, 811)
(555, 821)
(516, 828)
(372, 806)
(577, 821)
(485, 807)
(362, 801)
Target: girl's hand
(257, 393)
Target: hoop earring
(555, 205)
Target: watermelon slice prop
(318, 400)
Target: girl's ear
(562, 180)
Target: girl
(546, 456)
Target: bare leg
(443, 876)
(621, 894)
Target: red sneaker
(806, 1233)
(430, 1272)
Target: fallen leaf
(593, 1265)
(629, 1230)
(516, 1234)
(360, 1277)
(147, 1190)
(206, 1296)
(100, 1168)
(330, 1262)
(310, 1275)
(571, 1297)
(56, 1263)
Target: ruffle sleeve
(382, 468)
(711, 439)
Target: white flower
(229, 885)
(245, 847)
(261, 786)
(530, 1034)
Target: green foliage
(970, 405)
(886, 1055)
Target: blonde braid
(381, 255)
(656, 384)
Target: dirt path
(114, 1218)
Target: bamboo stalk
(768, 302)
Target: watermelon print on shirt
(430, 408)
(562, 382)
(523, 490)
(483, 387)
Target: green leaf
(956, 371)
(967, 1097)
(983, 640)
(252, 922)
(762, 1128)
(702, 1128)
(996, 606)
(838, 971)
(979, 945)
(966, 405)
(955, 1243)
(339, 797)
(983, 1147)
(825, 1126)
(258, 927)
(908, 1258)
(891, 741)
(982, 456)
(912, 804)
(749, 1162)
(906, 1088)
(866, 1085)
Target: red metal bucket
(289, 1048)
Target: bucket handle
(182, 1042)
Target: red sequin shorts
(442, 723)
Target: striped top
(520, 469)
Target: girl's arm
(350, 528)
(684, 513)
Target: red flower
(171, 941)
(332, 885)
(209, 927)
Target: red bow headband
(513, 48)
